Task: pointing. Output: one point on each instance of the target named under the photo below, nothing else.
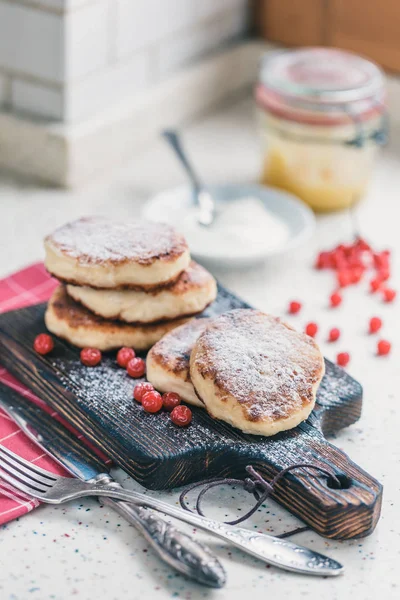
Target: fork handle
(174, 547)
(275, 551)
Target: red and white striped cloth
(24, 288)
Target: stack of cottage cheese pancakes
(123, 284)
(133, 284)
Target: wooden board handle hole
(345, 482)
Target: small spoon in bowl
(203, 198)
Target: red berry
(334, 334)
(381, 260)
(335, 299)
(389, 295)
(383, 274)
(356, 274)
(383, 347)
(152, 402)
(124, 355)
(338, 259)
(324, 260)
(90, 357)
(343, 359)
(344, 277)
(375, 284)
(170, 401)
(43, 343)
(294, 307)
(375, 324)
(141, 389)
(181, 415)
(362, 245)
(136, 367)
(311, 329)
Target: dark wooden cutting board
(98, 402)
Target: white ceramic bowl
(169, 206)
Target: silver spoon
(203, 198)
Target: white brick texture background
(29, 97)
(70, 59)
(142, 23)
(31, 41)
(3, 90)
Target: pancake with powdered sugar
(255, 372)
(102, 253)
(190, 294)
(168, 361)
(73, 322)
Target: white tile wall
(52, 4)
(87, 39)
(107, 88)
(142, 22)
(3, 89)
(209, 8)
(235, 22)
(37, 99)
(58, 5)
(178, 51)
(68, 59)
(31, 41)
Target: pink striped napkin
(24, 288)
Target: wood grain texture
(367, 27)
(159, 455)
(291, 22)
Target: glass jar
(322, 118)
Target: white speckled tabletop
(86, 551)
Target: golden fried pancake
(255, 372)
(167, 363)
(71, 321)
(194, 289)
(102, 253)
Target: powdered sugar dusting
(174, 348)
(269, 368)
(99, 240)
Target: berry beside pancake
(73, 322)
(194, 289)
(255, 372)
(102, 253)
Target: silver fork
(56, 489)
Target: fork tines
(24, 475)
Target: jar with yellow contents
(322, 118)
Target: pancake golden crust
(149, 288)
(102, 253)
(168, 361)
(194, 289)
(69, 320)
(255, 372)
(173, 351)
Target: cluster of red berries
(351, 262)
(127, 359)
(144, 392)
(383, 347)
(152, 402)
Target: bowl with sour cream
(252, 222)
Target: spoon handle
(173, 138)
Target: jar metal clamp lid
(326, 87)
